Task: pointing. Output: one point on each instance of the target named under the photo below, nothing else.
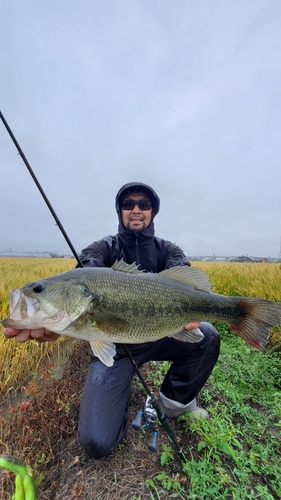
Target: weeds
(167, 454)
(236, 453)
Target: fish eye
(38, 288)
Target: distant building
(244, 258)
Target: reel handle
(137, 422)
(152, 445)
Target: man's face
(136, 219)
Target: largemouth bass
(124, 305)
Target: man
(103, 416)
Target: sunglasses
(130, 204)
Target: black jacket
(152, 254)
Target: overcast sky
(183, 95)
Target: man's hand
(192, 326)
(41, 335)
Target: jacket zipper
(137, 251)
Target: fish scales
(169, 307)
(124, 305)
(150, 308)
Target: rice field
(19, 360)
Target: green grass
(237, 452)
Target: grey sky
(182, 95)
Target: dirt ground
(44, 434)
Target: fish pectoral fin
(189, 275)
(105, 351)
(121, 265)
(191, 336)
(111, 324)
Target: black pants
(103, 411)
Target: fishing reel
(149, 415)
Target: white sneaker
(199, 413)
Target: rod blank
(58, 223)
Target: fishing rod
(58, 223)
(162, 417)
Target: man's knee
(99, 436)
(94, 448)
(211, 341)
(209, 331)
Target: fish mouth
(26, 312)
(22, 306)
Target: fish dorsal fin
(189, 275)
(105, 351)
(121, 265)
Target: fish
(122, 304)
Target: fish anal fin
(105, 351)
(189, 275)
(193, 336)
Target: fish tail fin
(259, 315)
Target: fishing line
(162, 418)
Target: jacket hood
(137, 187)
(138, 246)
